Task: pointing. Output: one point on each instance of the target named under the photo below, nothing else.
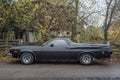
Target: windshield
(46, 42)
(69, 42)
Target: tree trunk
(26, 37)
(73, 36)
(105, 36)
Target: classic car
(61, 49)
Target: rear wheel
(27, 58)
(86, 59)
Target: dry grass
(7, 60)
(4, 58)
(112, 60)
(115, 60)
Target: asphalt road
(60, 71)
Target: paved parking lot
(60, 71)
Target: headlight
(14, 51)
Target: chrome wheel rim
(86, 59)
(27, 58)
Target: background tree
(110, 10)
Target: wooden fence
(6, 44)
(116, 51)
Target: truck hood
(27, 47)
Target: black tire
(26, 58)
(86, 59)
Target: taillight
(108, 51)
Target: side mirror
(51, 45)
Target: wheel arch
(27, 52)
(92, 53)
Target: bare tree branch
(111, 15)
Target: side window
(61, 43)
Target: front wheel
(86, 59)
(26, 58)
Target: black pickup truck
(61, 49)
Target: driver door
(55, 50)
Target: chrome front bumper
(9, 55)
